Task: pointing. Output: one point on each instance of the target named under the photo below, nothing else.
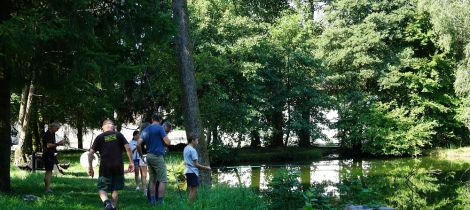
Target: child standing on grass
(140, 165)
(192, 166)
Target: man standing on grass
(110, 145)
(48, 153)
(155, 138)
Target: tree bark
(215, 136)
(24, 98)
(277, 134)
(304, 132)
(80, 133)
(255, 139)
(5, 126)
(24, 127)
(312, 8)
(209, 136)
(192, 119)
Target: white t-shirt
(135, 153)
(190, 155)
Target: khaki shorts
(156, 168)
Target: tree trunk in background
(304, 133)
(215, 136)
(312, 8)
(255, 139)
(80, 133)
(24, 98)
(36, 135)
(192, 120)
(277, 134)
(24, 127)
(5, 126)
(209, 136)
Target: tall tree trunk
(209, 136)
(36, 135)
(192, 119)
(255, 139)
(312, 8)
(24, 98)
(5, 126)
(80, 132)
(240, 139)
(277, 135)
(215, 136)
(304, 132)
(24, 128)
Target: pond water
(404, 183)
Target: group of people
(152, 141)
(145, 153)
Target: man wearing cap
(155, 138)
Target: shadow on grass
(75, 191)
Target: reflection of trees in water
(403, 184)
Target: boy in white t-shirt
(192, 166)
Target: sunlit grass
(458, 154)
(75, 190)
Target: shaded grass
(75, 190)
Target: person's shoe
(108, 205)
(48, 191)
(137, 188)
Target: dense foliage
(268, 72)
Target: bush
(284, 191)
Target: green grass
(458, 154)
(75, 190)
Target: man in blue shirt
(154, 136)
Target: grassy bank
(75, 190)
(232, 156)
(458, 154)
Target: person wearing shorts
(139, 163)
(155, 138)
(192, 166)
(110, 144)
(48, 153)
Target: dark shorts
(136, 162)
(49, 161)
(111, 183)
(192, 180)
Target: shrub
(284, 191)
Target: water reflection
(403, 183)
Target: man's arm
(129, 155)
(90, 162)
(166, 140)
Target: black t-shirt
(48, 137)
(110, 145)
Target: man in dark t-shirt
(48, 151)
(110, 144)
